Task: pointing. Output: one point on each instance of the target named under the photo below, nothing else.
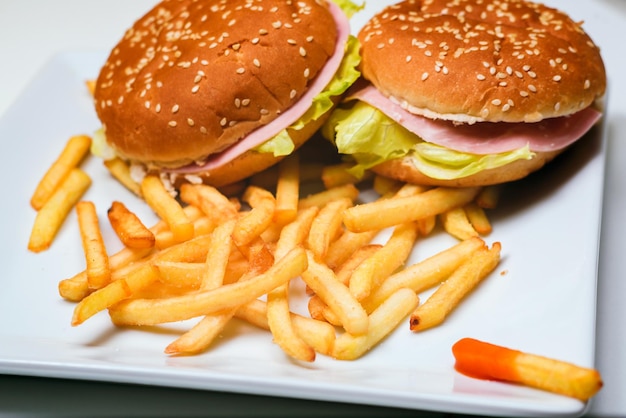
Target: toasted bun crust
(191, 78)
(403, 169)
(471, 60)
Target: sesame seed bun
(495, 61)
(475, 61)
(189, 79)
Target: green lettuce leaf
(370, 138)
(345, 76)
(348, 7)
(100, 147)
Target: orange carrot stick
(492, 362)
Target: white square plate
(541, 299)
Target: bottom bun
(252, 162)
(404, 170)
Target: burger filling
(371, 129)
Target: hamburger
(214, 91)
(468, 93)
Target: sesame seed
(587, 84)
(175, 108)
(532, 88)
(302, 52)
(556, 78)
(240, 70)
(172, 123)
(480, 77)
(496, 102)
(195, 89)
(223, 122)
(292, 94)
(190, 122)
(424, 76)
(147, 104)
(256, 63)
(157, 108)
(245, 102)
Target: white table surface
(32, 31)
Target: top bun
(472, 60)
(191, 78)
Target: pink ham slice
(485, 137)
(262, 134)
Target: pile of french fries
(216, 255)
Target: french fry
(410, 189)
(201, 226)
(318, 334)
(167, 208)
(218, 255)
(344, 271)
(323, 282)
(489, 196)
(91, 86)
(129, 228)
(426, 225)
(347, 244)
(320, 311)
(447, 297)
(394, 211)
(212, 202)
(296, 232)
(385, 185)
(157, 311)
(320, 199)
(326, 226)
(76, 288)
(180, 273)
(478, 218)
(489, 361)
(251, 224)
(114, 292)
(457, 224)
(120, 170)
(381, 322)
(70, 157)
(198, 338)
(371, 272)
(52, 214)
(278, 313)
(338, 175)
(279, 321)
(287, 190)
(425, 274)
(96, 257)
(188, 275)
